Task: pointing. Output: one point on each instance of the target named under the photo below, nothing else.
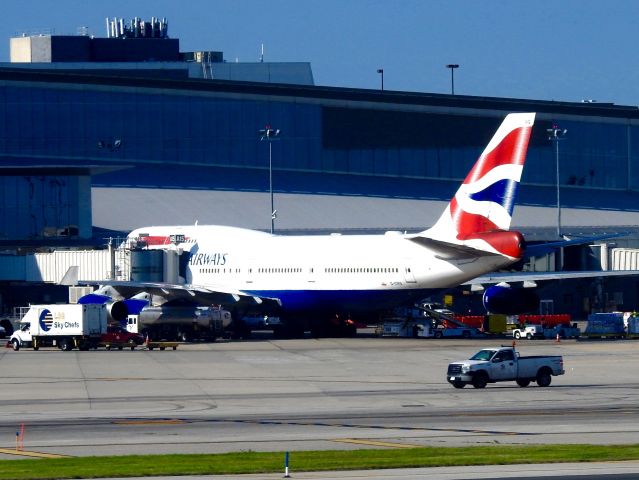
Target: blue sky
(538, 49)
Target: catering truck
(504, 364)
(65, 326)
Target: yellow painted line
(149, 422)
(25, 453)
(376, 444)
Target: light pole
(381, 72)
(554, 135)
(452, 67)
(269, 134)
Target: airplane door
(249, 273)
(409, 275)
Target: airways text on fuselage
(217, 259)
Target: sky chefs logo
(45, 320)
(206, 259)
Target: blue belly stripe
(353, 300)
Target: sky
(565, 50)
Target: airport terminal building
(100, 137)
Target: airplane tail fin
(482, 207)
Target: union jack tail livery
(480, 213)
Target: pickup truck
(504, 364)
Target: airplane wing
(194, 293)
(508, 277)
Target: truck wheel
(16, 344)
(66, 345)
(480, 380)
(544, 378)
(438, 335)
(523, 383)
(459, 384)
(529, 336)
(466, 334)
(517, 335)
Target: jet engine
(117, 310)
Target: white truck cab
(22, 337)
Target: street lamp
(452, 67)
(554, 135)
(381, 72)
(269, 134)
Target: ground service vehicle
(179, 322)
(563, 331)
(605, 325)
(66, 326)
(456, 332)
(421, 328)
(529, 332)
(504, 364)
(118, 337)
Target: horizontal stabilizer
(450, 251)
(510, 277)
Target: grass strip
(273, 462)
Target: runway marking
(149, 422)
(26, 453)
(383, 427)
(376, 443)
(118, 379)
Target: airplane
(327, 283)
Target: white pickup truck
(504, 364)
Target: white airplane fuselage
(340, 273)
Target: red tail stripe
(468, 223)
(510, 151)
